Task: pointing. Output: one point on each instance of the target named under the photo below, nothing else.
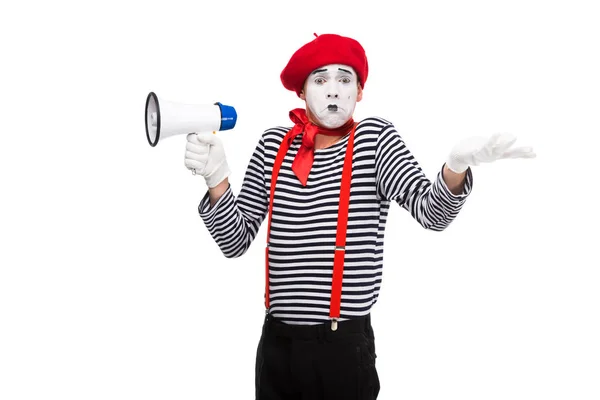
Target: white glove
(205, 156)
(476, 150)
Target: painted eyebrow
(325, 70)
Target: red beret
(323, 50)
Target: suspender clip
(334, 324)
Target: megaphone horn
(168, 118)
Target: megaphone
(168, 118)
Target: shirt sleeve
(401, 179)
(233, 222)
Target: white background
(111, 287)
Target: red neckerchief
(303, 162)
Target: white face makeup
(331, 94)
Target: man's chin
(333, 120)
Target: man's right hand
(204, 153)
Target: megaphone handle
(194, 171)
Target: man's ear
(359, 94)
(302, 95)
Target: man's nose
(332, 95)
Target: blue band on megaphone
(228, 117)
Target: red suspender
(283, 148)
(340, 241)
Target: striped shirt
(304, 221)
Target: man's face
(331, 93)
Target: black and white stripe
(304, 219)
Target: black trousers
(299, 362)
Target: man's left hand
(477, 150)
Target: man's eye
(346, 80)
(319, 81)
